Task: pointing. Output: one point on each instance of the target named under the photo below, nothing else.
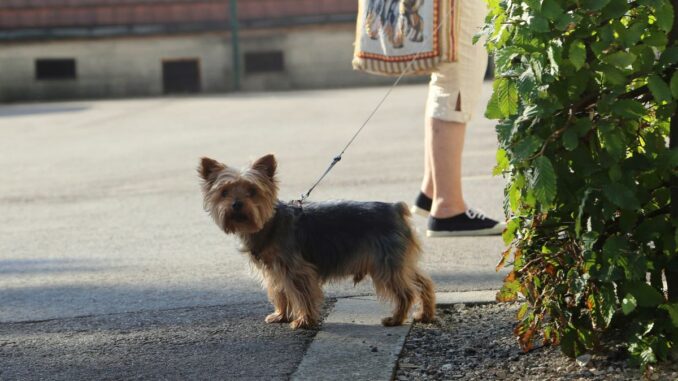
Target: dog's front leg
(279, 300)
(304, 296)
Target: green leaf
(615, 173)
(594, 5)
(551, 9)
(570, 139)
(607, 304)
(612, 139)
(615, 9)
(631, 36)
(539, 24)
(514, 196)
(533, 4)
(509, 234)
(580, 212)
(629, 304)
(506, 97)
(672, 309)
(492, 111)
(646, 295)
(669, 56)
(553, 54)
(527, 84)
(621, 196)
(543, 180)
(578, 54)
(664, 16)
(647, 356)
(674, 84)
(582, 126)
(654, 37)
(628, 108)
(620, 59)
(615, 247)
(502, 162)
(526, 147)
(613, 75)
(660, 90)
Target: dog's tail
(409, 230)
(403, 209)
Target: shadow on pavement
(219, 342)
(31, 110)
(49, 266)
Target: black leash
(337, 158)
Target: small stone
(375, 349)
(584, 360)
(446, 367)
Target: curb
(353, 345)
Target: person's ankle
(426, 193)
(446, 211)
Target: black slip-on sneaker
(422, 205)
(470, 223)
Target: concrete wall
(314, 57)
(110, 68)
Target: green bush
(584, 93)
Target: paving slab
(353, 345)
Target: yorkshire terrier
(298, 248)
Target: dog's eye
(224, 193)
(253, 192)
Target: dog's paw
(302, 323)
(276, 318)
(390, 321)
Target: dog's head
(239, 201)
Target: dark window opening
(181, 76)
(263, 62)
(50, 69)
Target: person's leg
(446, 146)
(427, 181)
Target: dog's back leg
(399, 287)
(427, 296)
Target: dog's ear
(266, 165)
(208, 167)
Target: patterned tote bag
(391, 33)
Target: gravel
(474, 342)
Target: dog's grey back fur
(333, 234)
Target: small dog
(298, 248)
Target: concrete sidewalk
(102, 213)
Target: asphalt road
(102, 228)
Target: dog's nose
(237, 205)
